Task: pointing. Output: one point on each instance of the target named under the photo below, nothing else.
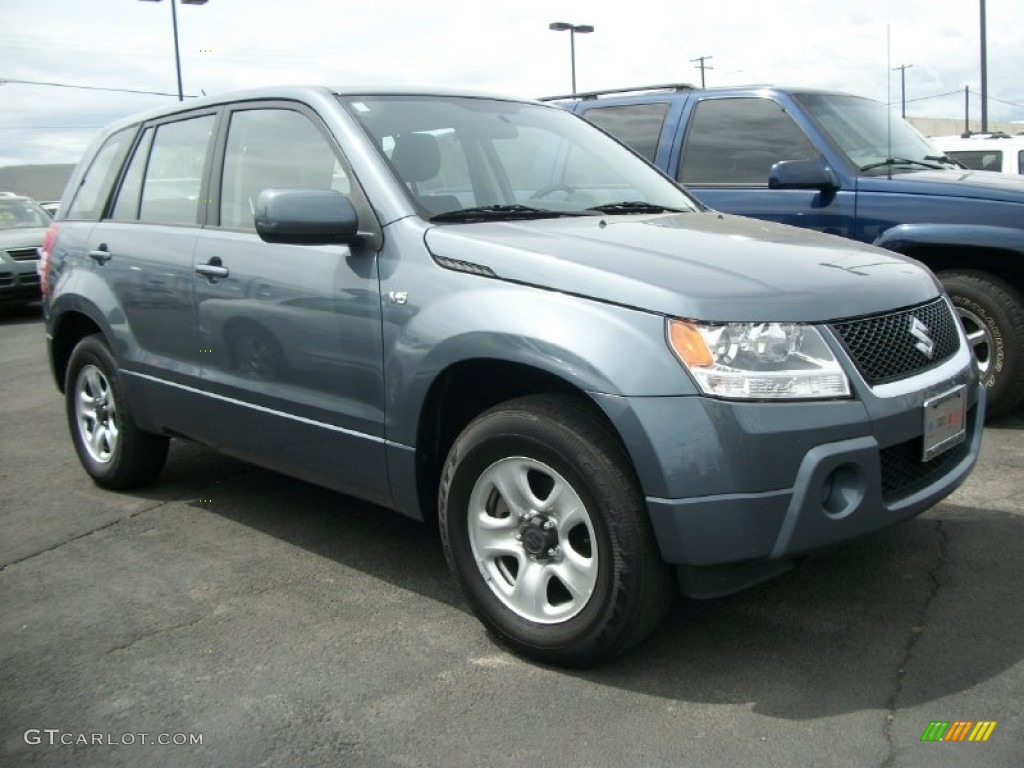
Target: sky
(501, 47)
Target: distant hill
(43, 182)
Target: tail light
(43, 265)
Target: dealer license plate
(945, 422)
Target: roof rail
(612, 91)
(984, 134)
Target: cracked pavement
(291, 626)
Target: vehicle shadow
(830, 637)
(20, 314)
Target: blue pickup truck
(843, 165)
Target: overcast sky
(494, 46)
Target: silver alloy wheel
(980, 338)
(533, 540)
(96, 414)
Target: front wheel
(992, 314)
(547, 534)
(113, 451)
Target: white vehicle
(985, 151)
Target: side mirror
(306, 217)
(801, 174)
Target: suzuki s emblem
(924, 344)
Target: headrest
(416, 156)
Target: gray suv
(485, 311)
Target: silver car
(486, 311)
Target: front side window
(1020, 161)
(979, 160)
(273, 149)
(736, 141)
(174, 172)
(635, 125)
(455, 154)
(94, 190)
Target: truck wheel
(547, 534)
(113, 451)
(992, 314)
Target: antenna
(888, 97)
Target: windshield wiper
(901, 161)
(635, 206)
(945, 159)
(499, 212)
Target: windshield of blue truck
(869, 134)
(492, 158)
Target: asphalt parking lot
(284, 625)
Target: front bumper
(732, 483)
(19, 283)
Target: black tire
(113, 451)
(605, 588)
(992, 314)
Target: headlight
(758, 361)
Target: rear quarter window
(94, 191)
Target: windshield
(21, 214)
(464, 159)
(861, 129)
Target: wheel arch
(466, 389)
(67, 329)
(998, 251)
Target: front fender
(593, 346)
(906, 237)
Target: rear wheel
(115, 453)
(992, 313)
(547, 533)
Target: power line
(12, 81)
(1003, 101)
(936, 95)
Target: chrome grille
(884, 349)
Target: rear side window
(94, 190)
(174, 172)
(635, 125)
(1020, 161)
(736, 141)
(273, 149)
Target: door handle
(212, 269)
(101, 255)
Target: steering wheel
(547, 189)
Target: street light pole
(174, 24)
(561, 26)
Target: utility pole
(702, 66)
(903, 88)
(984, 72)
(967, 109)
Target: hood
(704, 266)
(21, 237)
(952, 182)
